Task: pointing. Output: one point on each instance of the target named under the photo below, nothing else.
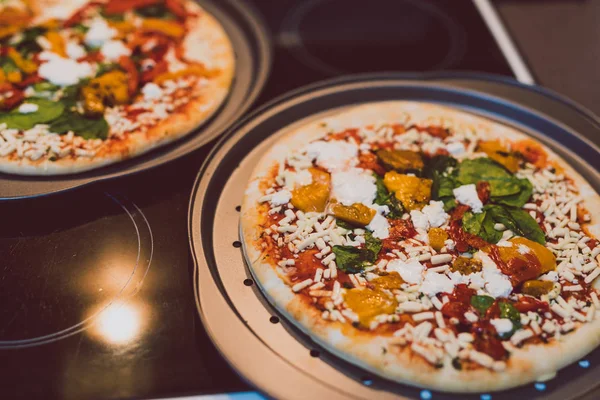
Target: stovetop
(96, 295)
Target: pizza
(89, 83)
(428, 245)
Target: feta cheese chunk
(502, 325)
(333, 155)
(355, 185)
(435, 283)
(99, 33)
(431, 216)
(496, 283)
(114, 49)
(467, 195)
(63, 71)
(74, 50)
(27, 108)
(456, 149)
(152, 91)
(293, 179)
(410, 271)
(280, 198)
(380, 226)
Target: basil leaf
(47, 111)
(517, 220)
(518, 199)
(507, 310)
(8, 65)
(502, 182)
(155, 11)
(87, 128)
(482, 303)
(384, 198)
(351, 259)
(481, 225)
(343, 224)
(373, 245)
(438, 170)
(45, 87)
(28, 43)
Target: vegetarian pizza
(89, 83)
(428, 245)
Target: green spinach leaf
(517, 199)
(438, 170)
(502, 182)
(155, 11)
(87, 128)
(384, 198)
(507, 310)
(481, 225)
(47, 111)
(373, 245)
(27, 44)
(351, 259)
(517, 220)
(8, 65)
(482, 303)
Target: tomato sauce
(344, 135)
(486, 340)
(518, 269)
(401, 229)
(436, 131)
(369, 161)
(527, 303)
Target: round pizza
(89, 83)
(428, 245)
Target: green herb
(8, 65)
(113, 17)
(373, 245)
(385, 198)
(502, 182)
(518, 199)
(351, 259)
(80, 28)
(482, 303)
(438, 170)
(105, 67)
(343, 224)
(47, 111)
(482, 225)
(87, 128)
(507, 310)
(27, 44)
(517, 220)
(45, 87)
(155, 11)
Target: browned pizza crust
(205, 35)
(364, 348)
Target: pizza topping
(461, 258)
(27, 108)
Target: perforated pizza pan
(253, 55)
(271, 352)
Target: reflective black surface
(100, 287)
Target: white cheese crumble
(432, 215)
(74, 50)
(524, 249)
(151, 91)
(410, 271)
(380, 227)
(293, 179)
(281, 197)
(551, 276)
(353, 186)
(333, 155)
(99, 33)
(27, 108)
(63, 71)
(496, 283)
(502, 325)
(467, 195)
(456, 149)
(435, 283)
(112, 50)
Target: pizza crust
(364, 349)
(206, 32)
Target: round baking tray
(253, 56)
(271, 352)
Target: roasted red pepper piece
(77, 17)
(9, 102)
(177, 8)
(134, 77)
(121, 6)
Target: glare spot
(584, 363)
(119, 323)
(425, 394)
(540, 386)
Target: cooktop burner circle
(343, 36)
(61, 277)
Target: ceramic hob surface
(96, 296)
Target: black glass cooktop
(96, 293)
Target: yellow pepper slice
(368, 303)
(14, 76)
(194, 70)
(437, 238)
(313, 197)
(27, 66)
(169, 28)
(536, 288)
(57, 42)
(401, 160)
(412, 191)
(357, 214)
(499, 153)
(107, 89)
